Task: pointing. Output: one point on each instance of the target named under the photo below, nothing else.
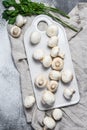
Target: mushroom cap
(17, 1)
(25, 20)
(44, 128)
(35, 38)
(57, 114)
(53, 41)
(29, 101)
(49, 122)
(38, 54)
(68, 93)
(54, 75)
(61, 55)
(15, 31)
(47, 61)
(19, 20)
(48, 98)
(57, 64)
(11, 8)
(67, 76)
(52, 86)
(52, 30)
(41, 81)
(54, 52)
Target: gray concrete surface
(11, 110)
(67, 5)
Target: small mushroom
(49, 123)
(52, 86)
(54, 75)
(15, 31)
(29, 101)
(61, 55)
(57, 64)
(47, 61)
(54, 52)
(35, 38)
(11, 8)
(17, 1)
(44, 128)
(67, 76)
(53, 41)
(68, 93)
(38, 54)
(52, 30)
(57, 114)
(48, 98)
(41, 81)
(20, 20)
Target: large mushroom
(40, 81)
(57, 64)
(52, 30)
(29, 101)
(15, 31)
(48, 98)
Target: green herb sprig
(29, 8)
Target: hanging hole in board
(42, 25)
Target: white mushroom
(48, 98)
(57, 114)
(55, 51)
(15, 31)
(47, 61)
(38, 54)
(41, 81)
(52, 86)
(67, 76)
(68, 93)
(35, 38)
(17, 1)
(11, 8)
(52, 30)
(29, 101)
(20, 20)
(57, 64)
(55, 75)
(49, 123)
(25, 20)
(44, 128)
(53, 41)
(61, 55)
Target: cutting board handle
(39, 19)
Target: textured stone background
(11, 110)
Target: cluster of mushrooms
(56, 61)
(16, 30)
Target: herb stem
(56, 10)
(62, 22)
(29, 8)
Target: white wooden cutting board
(36, 68)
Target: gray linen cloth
(74, 117)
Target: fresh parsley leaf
(8, 3)
(5, 15)
(12, 20)
(28, 8)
